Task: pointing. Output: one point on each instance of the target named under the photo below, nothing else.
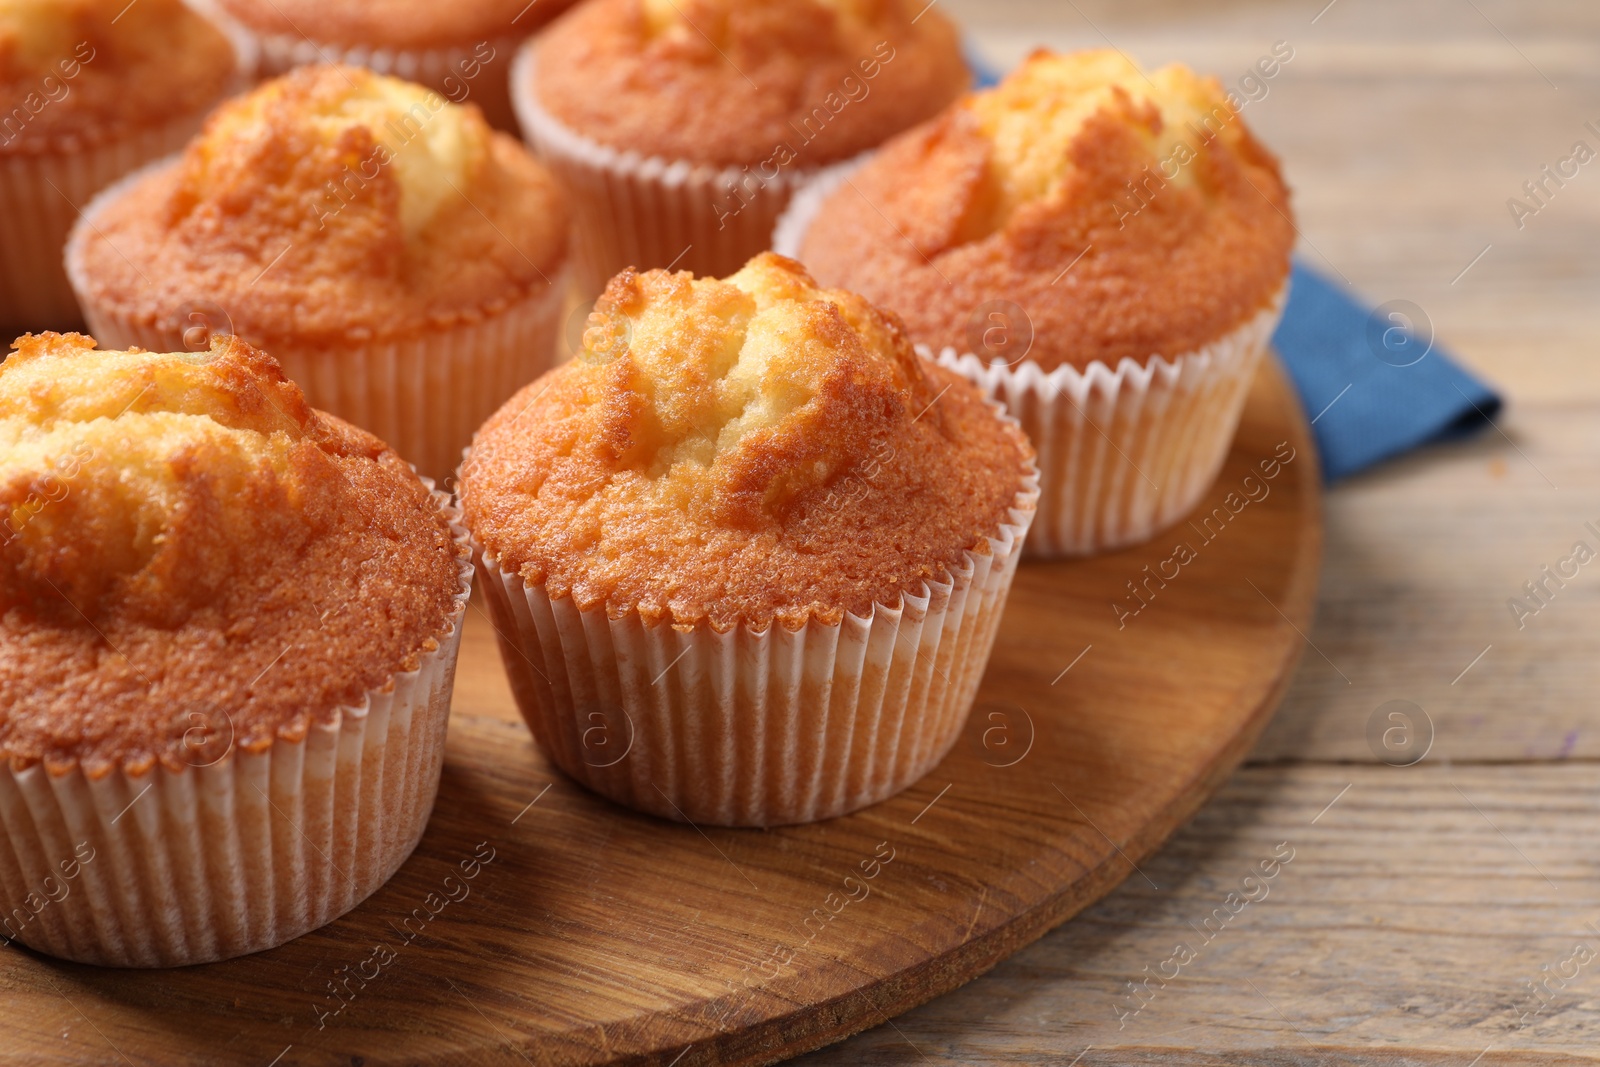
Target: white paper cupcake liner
(423, 395)
(246, 853)
(1124, 453)
(637, 211)
(750, 728)
(444, 70)
(789, 231)
(42, 193)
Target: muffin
(402, 261)
(682, 127)
(748, 553)
(1105, 251)
(228, 632)
(461, 50)
(94, 89)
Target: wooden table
(1424, 901)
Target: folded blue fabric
(983, 75)
(1373, 381)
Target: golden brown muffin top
(89, 69)
(1126, 214)
(725, 82)
(415, 24)
(185, 544)
(333, 206)
(742, 451)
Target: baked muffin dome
(181, 533)
(89, 91)
(402, 262)
(89, 69)
(746, 451)
(1180, 217)
(330, 205)
(722, 82)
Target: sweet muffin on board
(228, 633)
(747, 553)
(682, 127)
(462, 49)
(1105, 251)
(92, 90)
(401, 260)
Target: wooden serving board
(591, 935)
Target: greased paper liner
(645, 212)
(1124, 453)
(42, 192)
(208, 863)
(750, 728)
(423, 395)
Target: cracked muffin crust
(331, 205)
(744, 451)
(182, 533)
(1127, 214)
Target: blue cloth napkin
(983, 75)
(1373, 380)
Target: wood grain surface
(1419, 910)
(586, 934)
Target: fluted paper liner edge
(643, 211)
(756, 728)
